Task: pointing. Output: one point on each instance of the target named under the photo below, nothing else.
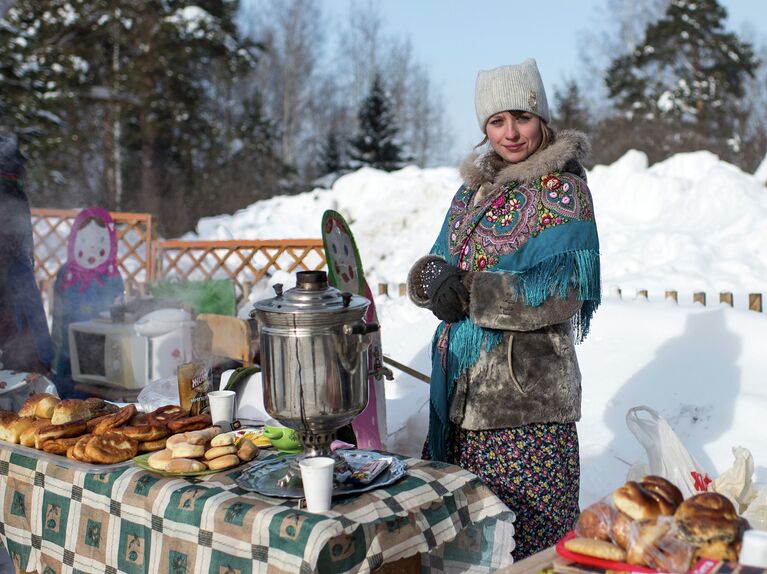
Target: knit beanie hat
(516, 87)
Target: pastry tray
(63, 461)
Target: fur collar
(565, 153)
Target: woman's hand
(447, 294)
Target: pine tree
(375, 144)
(688, 73)
(572, 111)
(331, 154)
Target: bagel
(110, 448)
(190, 423)
(163, 415)
(707, 517)
(64, 430)
(59, 445)
(110, 422)
(145, 433)
(152, 445)
(39, 405)
(78, 450)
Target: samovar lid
(311, 302)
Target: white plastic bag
(736, 482)
(756, 513)
(666, 455)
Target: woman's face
(514, 138)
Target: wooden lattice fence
(135, 244)
(245, 262)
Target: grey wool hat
(516, 87)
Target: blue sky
(456, 38)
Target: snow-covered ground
(691, 223)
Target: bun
(247, 451)
(596, 548)
(594, 522)
(707, 517)
(100, 407)
(110, 448)
(39, 405)
(160, 459)
(222, 439)
(638, 503)
(176, 439)
(620, 528)
(217, 451)
(11, 427)
(664, 490)
(203, 435)
(718, 550)
(71, 410)
(222, 462)
(185, 465)
(27, 438)
(642, 539)
(187, 450)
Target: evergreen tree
(571, 108)
(375, 144)
(331, 154)
(688, 73)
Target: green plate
(142, 461)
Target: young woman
(514, 277)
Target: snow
(690, 223)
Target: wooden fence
(144, 258)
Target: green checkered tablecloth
(58, 519)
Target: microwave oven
(130, 355)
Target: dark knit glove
(444, 287)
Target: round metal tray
(262, 477)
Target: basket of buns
(647, 526)
(94, 431)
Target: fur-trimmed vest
(532, 375)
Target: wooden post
(699, 297)
(247, 287)
(383, 289)
(673, 295)
(402, 289)
(755, 302)
(725, 297)
(642, 294)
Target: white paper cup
(222, 408)
(317, 476)
(754, 549)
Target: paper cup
(754, 549)
(222, 408)
(317, 476)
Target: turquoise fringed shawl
(552, 261)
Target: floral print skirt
(534, 469)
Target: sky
(702, 368)
(456, 38)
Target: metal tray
(63, 461)
(262, 477)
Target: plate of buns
(92, 433)
(647, 526)
(200, 452)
